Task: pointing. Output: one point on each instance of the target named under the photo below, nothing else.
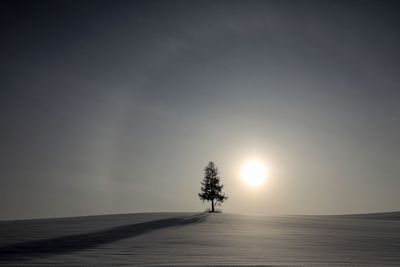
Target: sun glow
(254, 173)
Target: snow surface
(202, 239)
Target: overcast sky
(111, 107)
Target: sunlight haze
(119, 109)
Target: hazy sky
(110, 107)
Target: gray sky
(117, 106)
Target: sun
(254, 173)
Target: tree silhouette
(211, 190)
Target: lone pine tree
(211, 190)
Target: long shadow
(45, 247)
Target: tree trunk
(212, 205)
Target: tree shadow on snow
(46, 247)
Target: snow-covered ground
(202, 239)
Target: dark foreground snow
(202, 239)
